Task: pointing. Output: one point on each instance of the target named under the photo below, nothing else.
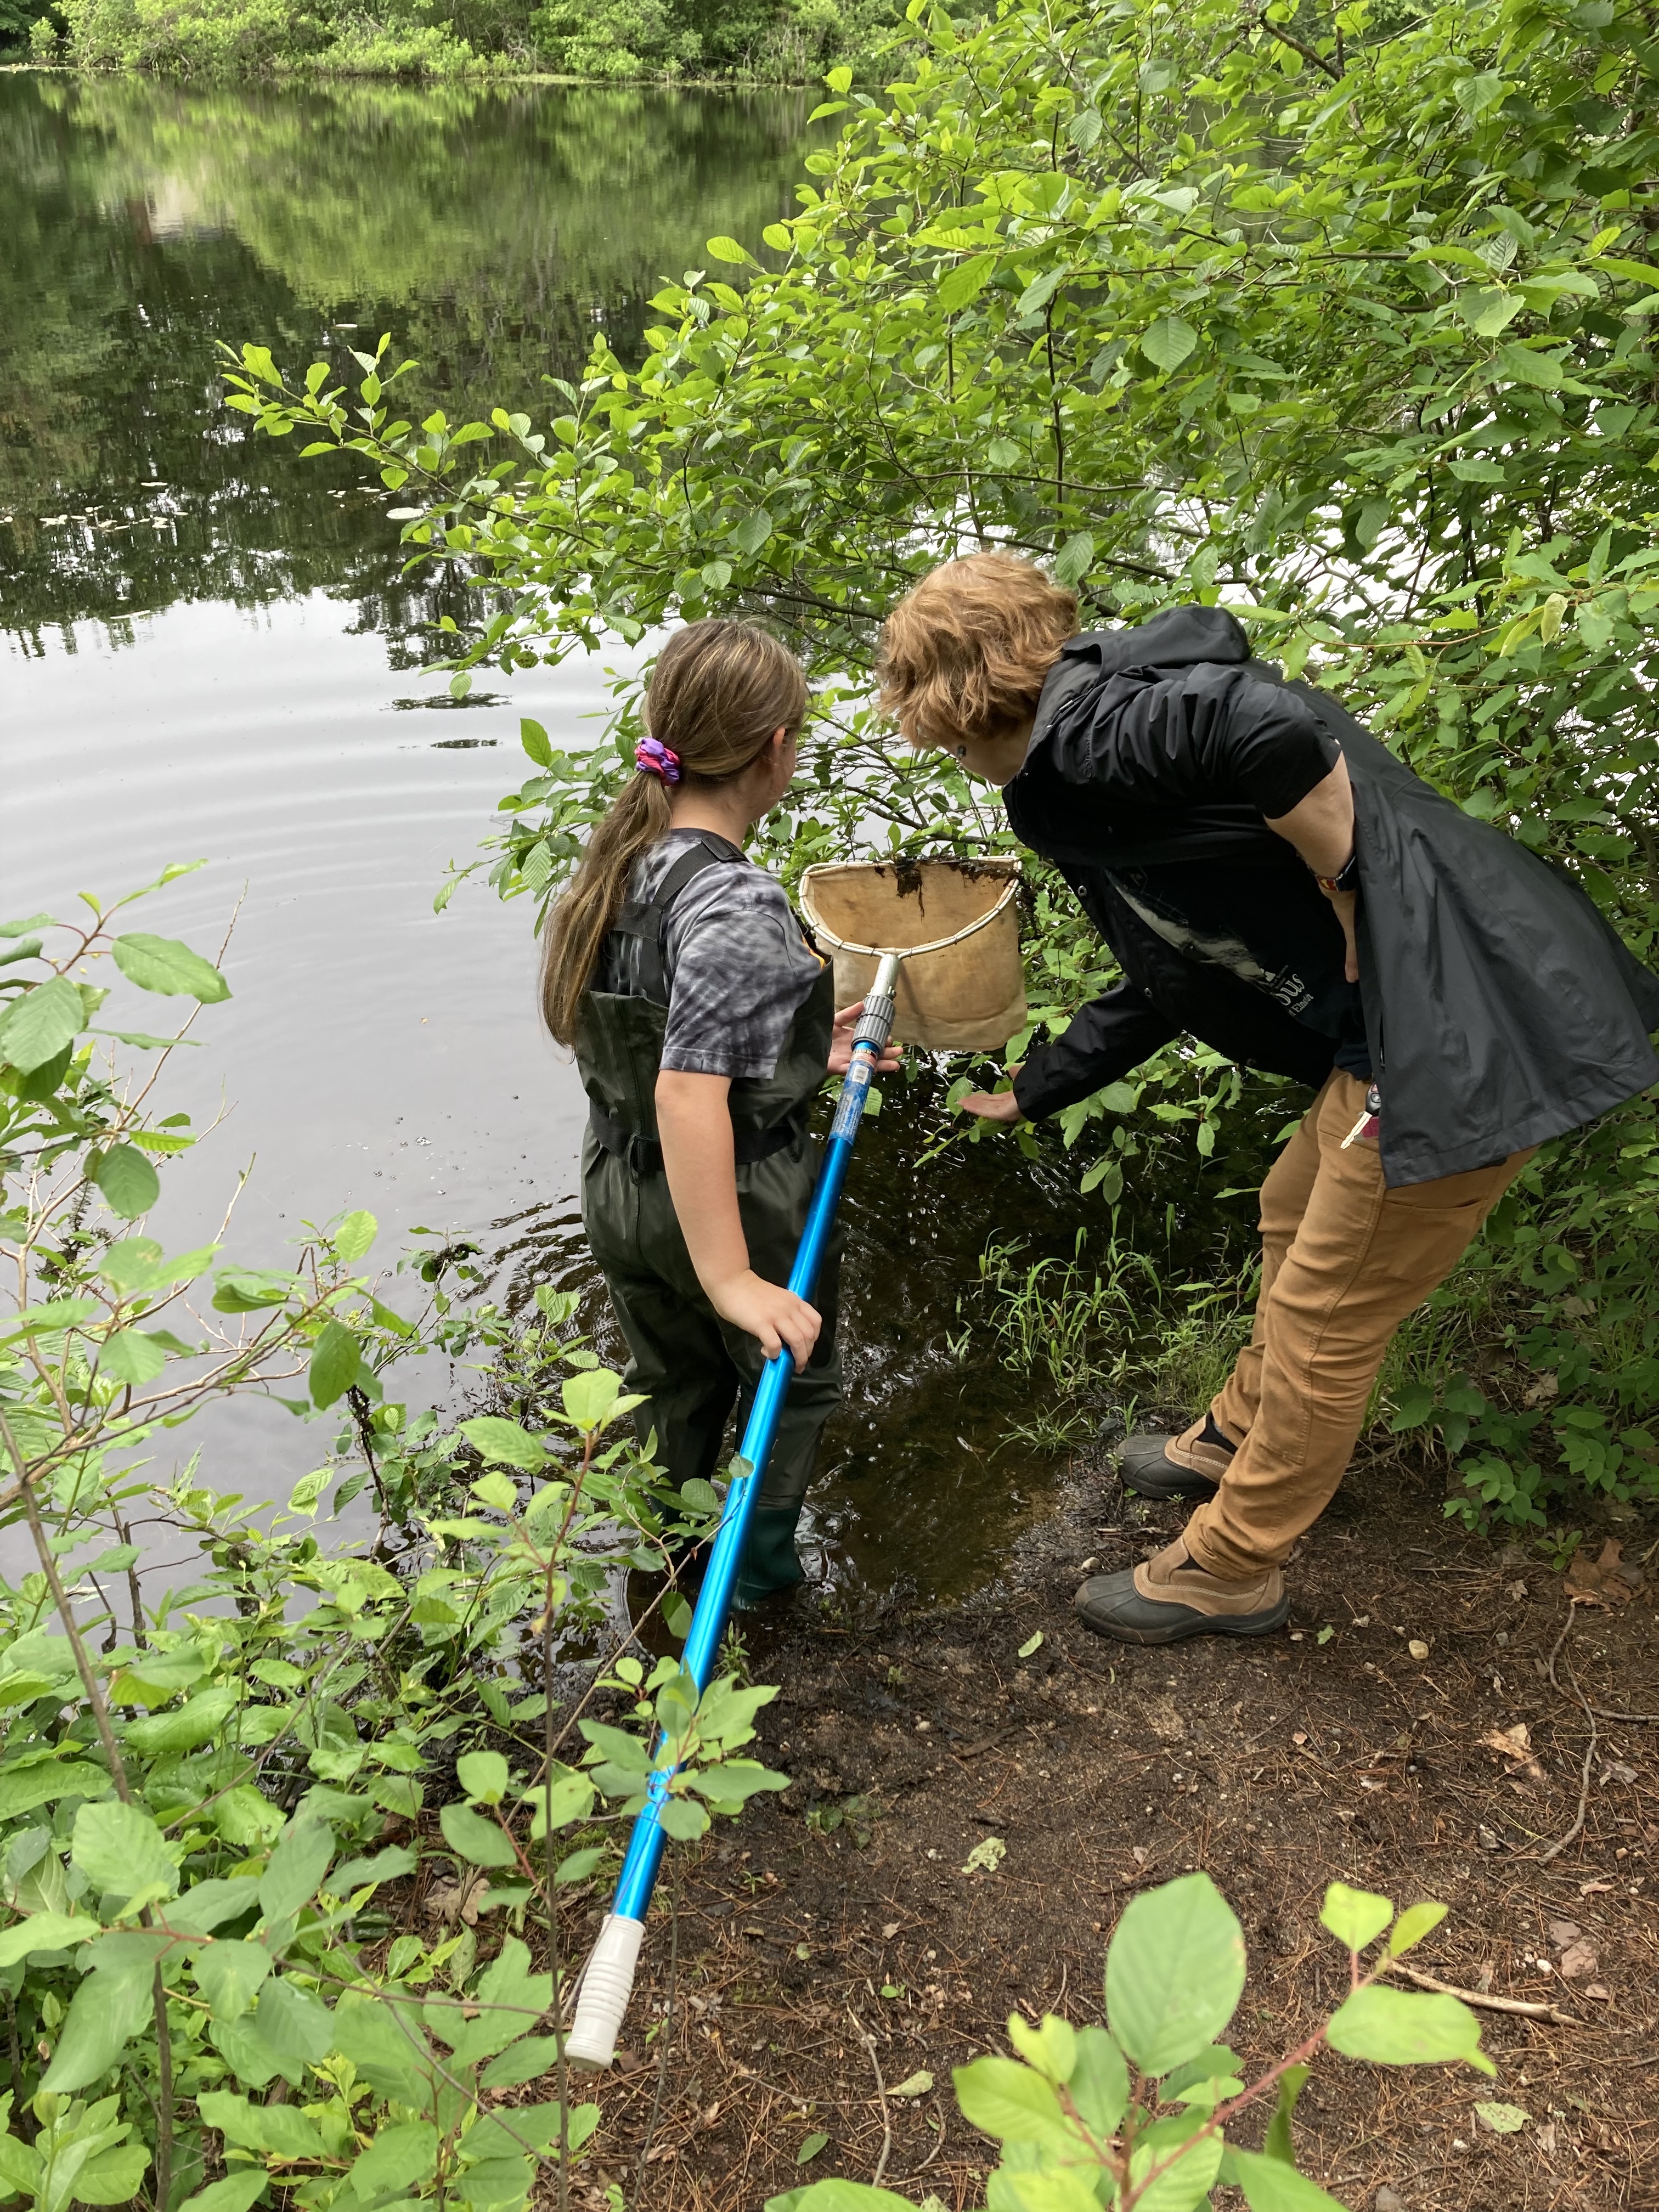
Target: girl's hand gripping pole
(608, 1979)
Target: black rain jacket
(1500, 1007)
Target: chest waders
(692, 1367)
(608, 1977)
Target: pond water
(209, 653)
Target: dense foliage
(765, 41)
(211, 1790)
(1342, 318)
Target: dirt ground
(816, 1958)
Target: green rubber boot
(770, 1562)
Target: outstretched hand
(990, 1105)
(841, 1044)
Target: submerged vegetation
(1341, 318)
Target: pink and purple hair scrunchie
(656, 759)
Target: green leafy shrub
(187, 37)
(210, 1798)
(615, 38)
(1134, 2115)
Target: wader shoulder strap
(645, 918)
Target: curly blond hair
(964, 653)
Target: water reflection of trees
(491, 231)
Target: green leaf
(479, 1841)
(113, 2176)
(1354, 1917)
(131, 1357)
(21, 1789)
(728, 250)
(1291, 2084)
(1050, 2047)
(399, 2158)
(1397, 2027)
(206, 1904)
(963, 284)
(752, 532)
(1043, 2189)
(493, 1438)
(1175, 1972)
(1031, 1644)
(1502, 2119)
(1416, 1922)
(163, 966)
(1486, 309)
(45, 1931)
(355, 1235)
(534, 740)
(683, 1820)
(229, 1976)
(236, 2193)
(811, 2146)
(1187, 2179)
(336, 1364)
(40, 1024)
(294, 2023)
(837, 2194)
(1270, 2186)
(1099, 2086)
(297, 1866)
(244, 1289)
(483, 1775)
(1011, 2103)
(279, 2130)
(108, 2009)
(188, 1727)
(527, 2060)
(591, 1398)
(130, 1184)
(122, 1853)
(1168, 342)
(1074, 559)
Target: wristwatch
(1346, 880)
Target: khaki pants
(1344, 1260)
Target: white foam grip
(602, 1999)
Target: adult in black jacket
(1274, 882)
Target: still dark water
(208, 651)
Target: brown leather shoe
(1190, 1465)
(1170, 1597)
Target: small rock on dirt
(1388, 2200)
(1577, 1961)
(1563, 1932)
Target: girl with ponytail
(703, 1027)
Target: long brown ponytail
(717, 693)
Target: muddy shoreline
(831, 1949)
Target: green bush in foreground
(211, 1792)
(1342, 318)
(1134, 2115)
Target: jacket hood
(1179, 637)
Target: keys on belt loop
(1369, 1122)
